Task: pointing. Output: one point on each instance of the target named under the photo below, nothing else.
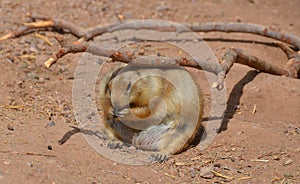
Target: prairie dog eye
(128, 87)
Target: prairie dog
(153, 108)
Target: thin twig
(259, 160)
(5, 151)
(221, 175)
(39, 154)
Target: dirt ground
(260, 147)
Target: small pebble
(32, 75)
(10, 127)
(193, 174)
(41, 79)
(257, 90)
(237, 107)
(240, 171)
(288, 162)
(162, 8)
(70, 77)
(11, 61)
(51, 123)
(239, 132)
(205, 172)
(141, 52)
(133, 148)
(6, 162)
(288, 175)
(276, 157)
(30, 164)
(49, 147)
(217, 165)
(215, 85)
(180, 163)
(180, 174)
(297, 149)
(238, 19)
(33, 48)
(21, 84)
(90, 116)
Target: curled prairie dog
(153, 108)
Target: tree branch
(89, 33)
(233, 55)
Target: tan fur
(154, 126)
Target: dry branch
(233, 55)
(236, 55)
(293, 64)
(28, 27)
(127, 57)
(89, 33)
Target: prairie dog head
(154, 93)
(134, 88)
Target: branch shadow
(234, 98)
(76, 130)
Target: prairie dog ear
(114, 73)
(109, 85)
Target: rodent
(145, 110)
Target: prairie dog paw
(117, 145)
(160, 157)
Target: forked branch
(89, 33)
(233, 55)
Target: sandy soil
(260, 147)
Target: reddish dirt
(30, 153)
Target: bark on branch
(233, 55)
(89, 33)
